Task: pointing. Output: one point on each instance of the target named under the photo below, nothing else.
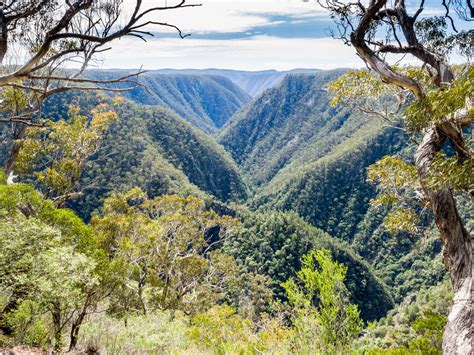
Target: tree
(169, 245)
(319, 293)
(54, 36)
(57, 154)
(437, 103)
(53, 273)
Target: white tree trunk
(457, 251)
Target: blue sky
(240, 34)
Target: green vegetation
(155, 262)
(273, 243)
(206, 101)
(57, 153)
(171, 259)
(336, 321)
(302, 155)
(154, 149)
(415, 326)
(184, 217)
(53, 274)
(313, 159)
(168, 262)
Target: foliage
(161, 268)
(361, 89)
(168, 245)
(157, 332)
(206, 101)
(399, 180)
(440, 103)
(58, 153)
(433, 33)
(53, 274)
(153, 148)
(415, 326)
(292, 121)
(401, 189)
(447, 172)
(323, 295)
(223, 331)
(27, 324)
(302, 155)
(272, 244)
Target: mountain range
(272, 152)
(207, 101)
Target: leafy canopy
(321, 301)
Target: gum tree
(434, 99)
(40, 40)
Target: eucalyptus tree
(42, 40)
(434, 99)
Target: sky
(237, 34)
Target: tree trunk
(15, 148)
(3, 34)
(57, 328)
(457, 250)
(75, 327)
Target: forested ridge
(207, 101)
(253, 82)
(302, 155)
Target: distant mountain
(302, 155)
(253, 82)
(207, 101)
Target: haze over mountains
(253, 82)
(207, 101)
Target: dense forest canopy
(225, 211)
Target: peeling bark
(457, 250)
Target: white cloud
(256, 53)
(222, 16)
(219, 16)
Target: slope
(207, 101)
(272, 243)
(155, 149)
(293, 121)
(301, 155)
(253, 82)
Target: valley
(286, 150)
(288, 166)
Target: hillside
(272, 243)
(291, 121)
(153, 148)
(253, 82)
(301, 155)
(207, 101)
